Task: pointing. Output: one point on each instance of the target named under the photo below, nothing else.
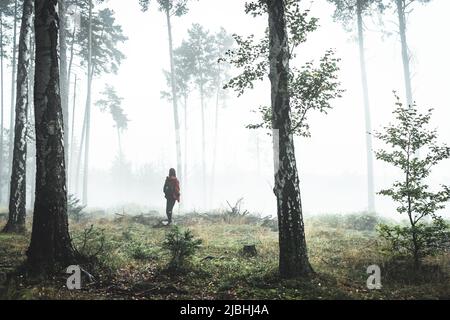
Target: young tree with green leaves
(18, 186)
(347, 12)
(406, 138)
(295, 92)
(172, 8)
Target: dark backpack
(169, 188)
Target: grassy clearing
(130, 263)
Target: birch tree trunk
(293, 252)
(50, 248)
(18, 187)
(405, 53)
(174, 99)
(365, 87)
(31, 149)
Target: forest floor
(131, 264)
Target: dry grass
(133, 265)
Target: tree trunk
(18, 187)
(365, 87)
(72, 132)
(185, 171)
(293, 252)
(202, 99)
(31, 152)
(216, 135)
(50, 248)
(405, 53)
(2, 109)
(63, 76)
(13, 92)
(80, 153)
(174, 99)
(88, 111)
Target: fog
(332, 163)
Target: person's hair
(172, 172)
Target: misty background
(332, 163)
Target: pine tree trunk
(202, 100)
(174, 99)
(405, 53)
(2, 108)
(293, 252)
(72, 132)
(80, 154)
(63, 76)
(50, 248)
(13, 94)
(216, 135)
(185, 171)
(88, 112)
(365, 87)
(18, 187)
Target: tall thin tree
(347, 12)
(293, 253)
(50, 247)
(172, 8)
(18, 187)
(64, 79)
(13, 89)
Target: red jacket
(172, 188)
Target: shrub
(414, 150)
(431, 239)
(181, 245)
(74, 209)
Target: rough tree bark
(31, 150)
(365, 87)
(18, 187)
(405, 53)
(293, 252)
(50, 248)
(174, 98)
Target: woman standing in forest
(172, 192)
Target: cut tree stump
(249, 251)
